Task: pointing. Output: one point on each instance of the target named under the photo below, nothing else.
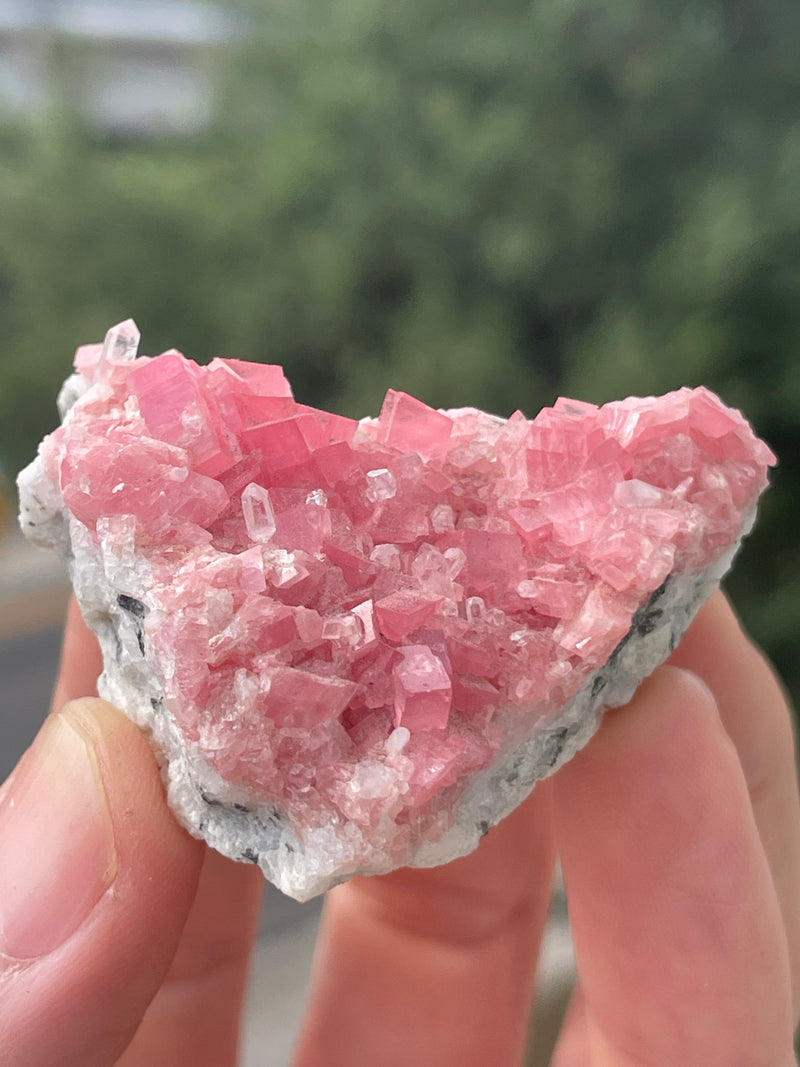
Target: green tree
(485, 203)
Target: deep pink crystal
(336, 612)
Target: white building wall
(145, 66)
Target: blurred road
(27, 670)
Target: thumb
(96, 881)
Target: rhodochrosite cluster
(357, 644)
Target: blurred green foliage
(484, 203)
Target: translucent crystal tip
(122, 341)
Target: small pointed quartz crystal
(356, 646)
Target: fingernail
(57, 852)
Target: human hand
(678, 830)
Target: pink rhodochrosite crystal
(357, 645)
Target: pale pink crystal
(348, 620)
(409, 425)
(423, 690)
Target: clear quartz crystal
(475, 607)
(442, 518)
(121, 342)
(386, 556)
(259, 516)
(381, 485)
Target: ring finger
(757, 718)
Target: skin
(678, 833)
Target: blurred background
(488, 203)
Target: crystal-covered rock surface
(357, 645)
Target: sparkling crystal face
(347, 620)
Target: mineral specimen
(357, 645)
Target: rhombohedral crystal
(358, 645)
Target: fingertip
(144, 825)
(81, 660)
(718, 648)
(677, 689)
(89, 789)
(125, 756)
(671, 899)
(666, 730)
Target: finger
(96, 881)
(672, 904)
(195, 1018)
(757, 717)
(573, 1042)
(438, 963)
(195, 1014)
(81, 661)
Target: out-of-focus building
(132, 67)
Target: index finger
(194, 1017)
(81, 660)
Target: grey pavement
(277, 997)
(32, 594)
(27, 670)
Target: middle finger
(435, 967)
